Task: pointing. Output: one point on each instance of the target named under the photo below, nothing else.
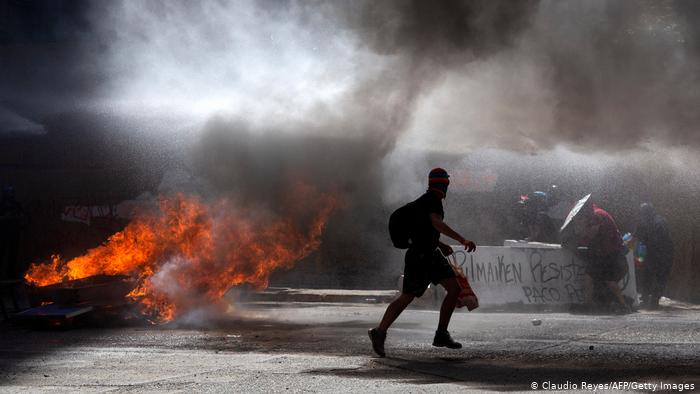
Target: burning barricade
(184, 255)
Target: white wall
(529, 273)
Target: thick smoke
(320, 96)
(621, 76)
(457, 75)
(363, 97)
(46, 57)
(594, 75)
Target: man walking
(424, 263)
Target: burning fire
(188, 253)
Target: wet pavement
(323, 347)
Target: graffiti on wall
(502, 275)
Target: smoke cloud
(525, 76)
(363, 97)
(593, 76)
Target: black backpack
(402, 223)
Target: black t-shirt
(424, 236)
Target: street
(323, 347)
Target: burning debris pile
(188, 252)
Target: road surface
(323, 347)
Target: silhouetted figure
(652, 232)
(536, 216)
(599, 243)
(423, 262)
(10, 216)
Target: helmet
(646, 210)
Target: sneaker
(377, 337)
(443, 339)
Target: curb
(277, 294)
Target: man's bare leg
(450, 302)
(394, 310)
(442, 336)
(378, 335)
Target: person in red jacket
(600, 244)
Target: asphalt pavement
(323, 347)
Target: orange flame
(189, 253)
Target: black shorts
(608, 269)
(422, 268)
